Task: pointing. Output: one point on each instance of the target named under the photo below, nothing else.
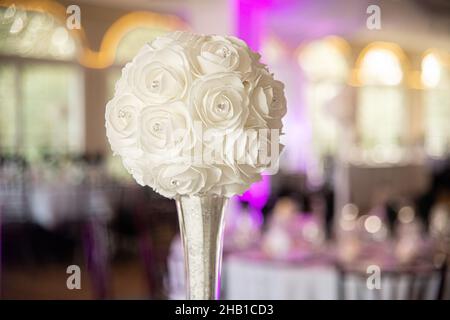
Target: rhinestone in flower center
(157, 127)
(123, 114)
(225, 52)
(221, 107)
(155, 84)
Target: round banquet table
(252, 275)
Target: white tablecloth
(253, 277)
(245, 279)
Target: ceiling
(414, 24)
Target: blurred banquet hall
(360, 208)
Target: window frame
(18, 63)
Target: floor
(128, 281)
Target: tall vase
(201, 221)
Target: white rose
(254, 56)
(220, 101)
(165, 131)
(244, 149)
(175, 179)
(219, 54)
(267, 101)
(159, 75)
(235, 180)
(122, 122)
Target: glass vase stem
(201, 220)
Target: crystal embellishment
(221, 107)
(155, 84)
(225, 52)
(123, 114)
(157, 127)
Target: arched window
(380, 116)
(40, 85)
(436, 82)
(325, 67)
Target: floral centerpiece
(198, 119)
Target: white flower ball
(196, 114)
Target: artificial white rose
(182, 179)
(218, 54)
(160, 75)
(122, 114)
(165, 131)
(267, 101)
(245, 149)
(234, 180)
(219, 101)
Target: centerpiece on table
(198, 119)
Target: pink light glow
(257, 197)
(258, 194)
(250, 23)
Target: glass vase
(201, 220)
